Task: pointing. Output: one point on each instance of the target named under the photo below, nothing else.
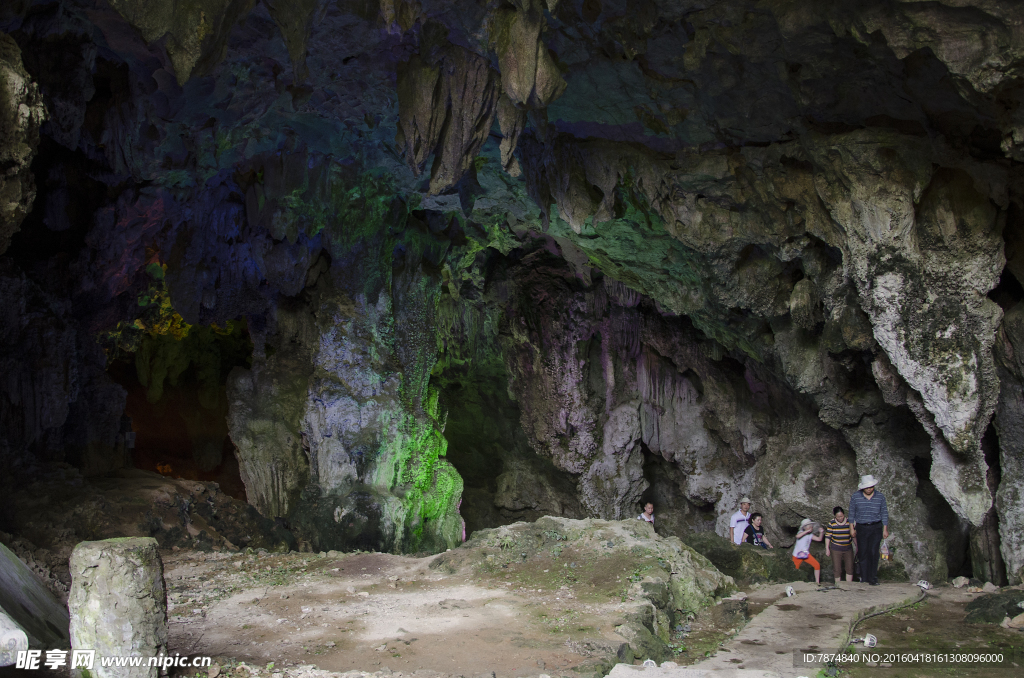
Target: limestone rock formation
(681, 252)
(676, 581)
(446, 110)
(340, 429)
(195, 33)
(118, 603)
(21, 114)
(909, 234)
(1009, 415)
(529, 76)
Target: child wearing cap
(801, 550)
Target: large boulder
(992, 608)
(660, 579)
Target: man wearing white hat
(869, 515)
(739, 521)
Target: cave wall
(732, 247)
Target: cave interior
(377, 275)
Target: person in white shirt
(648, 514)
(739, 521)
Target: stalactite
(622, 295)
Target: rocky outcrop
(1009, 421)
(447, 105)
(909, 232)
(56, 401)
(670, 581)
(339, 429)
(21, 113)
(195, 35)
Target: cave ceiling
(764, 242)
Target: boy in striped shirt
(839, 544)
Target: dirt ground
(371, 610)
(938, 625)
(471, 612)
(382, 613)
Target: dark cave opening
(1008, 292)
(676, 513)
(504, 481)
(176, 437)
(68, 198)
(474, 431)
(943, 519)
(986, 553)
(177, 402)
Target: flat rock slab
(812, 620)
(30, 604)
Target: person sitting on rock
(839, 544)
(754, 534)
(801, 550)
(648, 515)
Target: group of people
(862, 529)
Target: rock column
(118, 603)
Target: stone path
(811, 620)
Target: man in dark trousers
(869, 515)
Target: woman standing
(839, 544)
